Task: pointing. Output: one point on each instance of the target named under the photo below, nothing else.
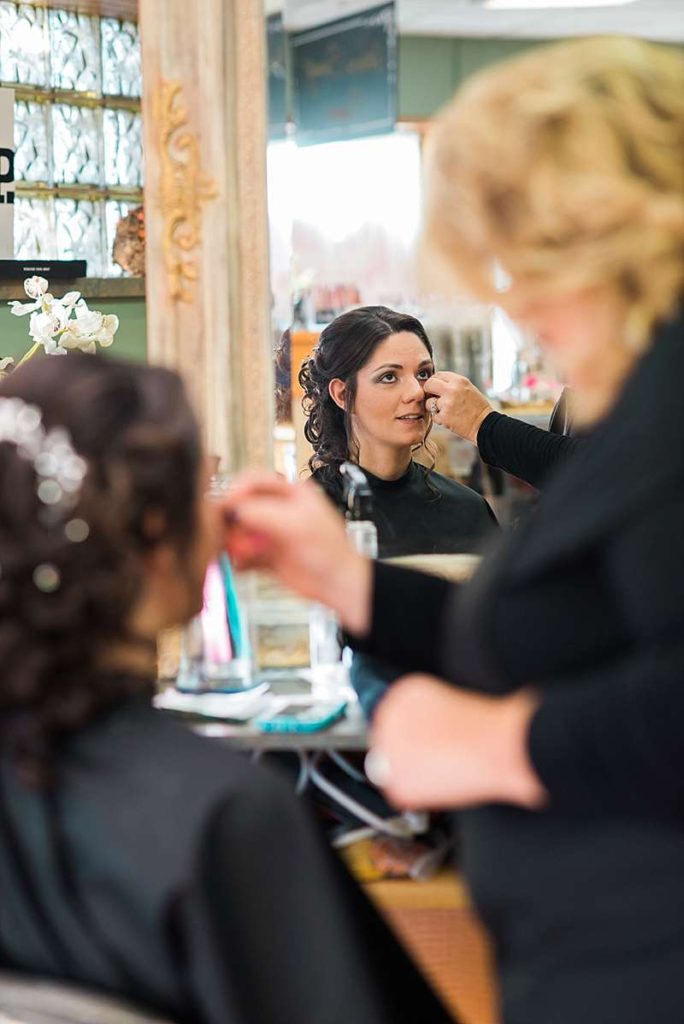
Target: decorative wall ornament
(183, 188)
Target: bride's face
(389, 405)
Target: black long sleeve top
(166, 868)
(519, 448)
(420, 513)
(585, 601)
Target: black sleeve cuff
(563, 748)
(485, 444)
(527, 452)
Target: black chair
(28, 1000)
(561, 417)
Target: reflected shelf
(89, 287)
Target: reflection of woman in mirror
(364, 400)
(565, 165)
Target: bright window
(78, 131)
(346, 213)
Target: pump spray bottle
(358, 505)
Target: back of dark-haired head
(344, 347)
(137, 433)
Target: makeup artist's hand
(293, 531)
(455, 403)
(437, 746)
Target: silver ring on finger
(434, 407)
(377, 767)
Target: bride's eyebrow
(399, 366)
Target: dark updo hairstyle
(344, 347)
(134, 427)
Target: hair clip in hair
(46, 577)
(76, 531)
(59, 470)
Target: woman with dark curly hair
(136, 857)
(364, 401)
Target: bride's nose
(414, 391)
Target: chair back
(34, 1000)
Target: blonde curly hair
(565, 167)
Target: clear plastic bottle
(364, 536)
(327, 666)
(216, 654)
(358, 503)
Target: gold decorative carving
(183, 188)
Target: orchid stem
(28, 355)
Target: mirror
(344, 222)
(344, 202)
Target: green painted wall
(431, 68)
(427, 74)
(129, 343)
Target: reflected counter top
(349, 733)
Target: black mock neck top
(421, 512)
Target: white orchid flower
(89, 329)
(110, 325)
(60, 312)
(45, 329)
(44, 301)
(89, 320)
(60, 325)
(70, 339)
(43, 326)
(61, 308)
(35, 287)
(51, 345)
(22, 308)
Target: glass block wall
(78, 130)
